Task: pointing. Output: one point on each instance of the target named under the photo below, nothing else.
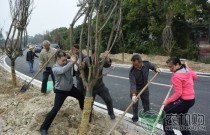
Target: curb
(126, 121)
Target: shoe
(112, 117)
(135, 119)
(43, 132)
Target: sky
(47, 15)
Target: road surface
(118, 84)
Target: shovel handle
(145, 87)
(42, 67)
(161, 110)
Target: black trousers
(103, 92)
(60, 97)
(178, 108)
(80, 85)
(145, 102)
(46, 74)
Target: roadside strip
(97, 106)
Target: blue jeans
(31, 63)
(46, 74)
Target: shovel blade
(24, 88)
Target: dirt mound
(22, 114)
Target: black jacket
(139, 78)
(30, 55)
(77, 73)
(100, 82)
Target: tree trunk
(13, 73)
(123, 57)
(84, 125)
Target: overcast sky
(47, 15)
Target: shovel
(161, 110)
(145, 87)
(25, 87)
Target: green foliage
(38, 38)
(144, 21)
(205, 60)
(61, 37)
(77, 31)
(142, 26)
(191, 53)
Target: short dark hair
(76, 46)
(174, 60)
(60, 54)
(93, 50)
(136, 58)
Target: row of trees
(142, 26)
(145, 26)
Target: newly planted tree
(97, 15)
(17, 35)
(167, 35)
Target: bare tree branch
(167, 34)
(109, 16)
(20, 11)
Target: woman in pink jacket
(182, 99)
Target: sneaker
(135, 119)
(112, 117)
(43, 132)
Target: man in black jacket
(138, 77)
(30, 58)
(100, 88)
(80, 85)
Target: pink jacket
(183, 85)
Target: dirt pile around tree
(22, 114)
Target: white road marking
(205, 75)
(126, 78)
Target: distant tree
(38, 38)
(144, 21)
(180, 16)
(2, 40)
(60, 36)
(16, 37)
(47, 35)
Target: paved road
(118, 84)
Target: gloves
(76, 68)
(73, 59)
(134, 99)
(158, 70)
(106, 54)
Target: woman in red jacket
(183, 97)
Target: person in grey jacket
(63, 87)
(138, 77)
